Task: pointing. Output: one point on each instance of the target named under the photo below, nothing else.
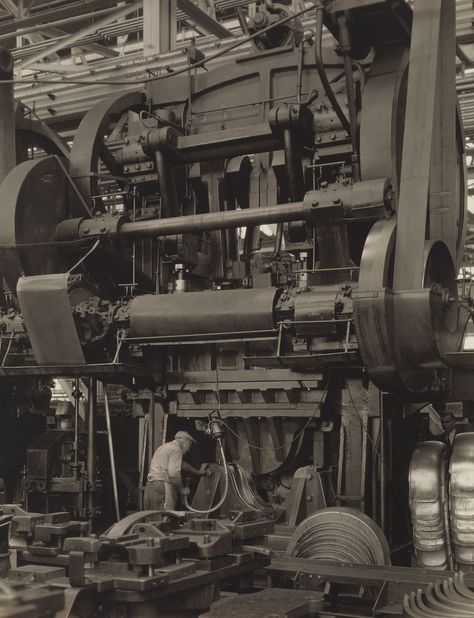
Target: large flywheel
(407, 313)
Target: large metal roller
(203, 313)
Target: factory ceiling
(71, 54)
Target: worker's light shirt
(166, 463)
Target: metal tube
(7, 115)
(141, 471)
(111, 453)
(278, 239)
(214, 221)
(294, 165)
(91, 447)
(58, 23)
(168, 190)
(382, 462)
(77, 396)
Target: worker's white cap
(184, 434)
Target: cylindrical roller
(203, 313)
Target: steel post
(91, 447)
(7, 114)
(110, 442)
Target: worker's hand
(185, 491)
(205, 471)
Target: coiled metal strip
(340, 534)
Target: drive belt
(45, 306)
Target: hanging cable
(345, 43)
(225, 490)
(318, 55)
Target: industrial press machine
(266, 253)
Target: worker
(449, 427)
(165, 475)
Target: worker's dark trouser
(159, 496)
(154, 498)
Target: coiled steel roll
(340, 534)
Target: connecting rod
(117, 226)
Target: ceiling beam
(204, 21)
(11, 7)
(95, 48)
(57, 23)
(70, 40)
(45, 17)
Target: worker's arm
(185, 467)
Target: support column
(159, 26)
(91, 448)
(7, 115)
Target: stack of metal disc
(429, 505)
(461, 497)
(340, 534)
